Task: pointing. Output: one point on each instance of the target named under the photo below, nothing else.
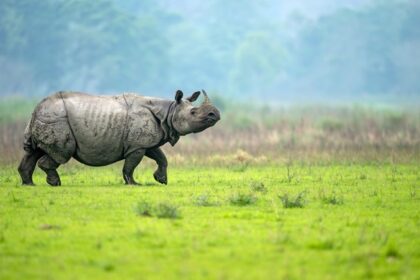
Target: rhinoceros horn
(206, 98)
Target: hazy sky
(284, 49)
(283, 9)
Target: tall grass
(251, 134)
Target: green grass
(357, 221)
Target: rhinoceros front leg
(157, 155)
(131, 161)
(50, 166)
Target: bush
(162, 210)
(258, 187)
(392, 252)
(203, 200)
(144, 208)
(166, 210)
(242, 199)
(332, 199)
(293, 202)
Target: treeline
(238, 48)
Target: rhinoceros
(100, 130)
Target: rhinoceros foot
(161, 176)
(54, 180)
(129, 180)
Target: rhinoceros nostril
(213, 116)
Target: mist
(269, 51)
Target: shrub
(332, 199)
(293, 202)
(166, 210)
(242, 199)
(203, 200)
(162, 210)
(144, 208)
(258, 187)
(392, 252)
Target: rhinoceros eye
(193, 111)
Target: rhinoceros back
(98, 124)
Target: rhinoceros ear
(194, 96)
(178, 96)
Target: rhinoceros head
(190, 119)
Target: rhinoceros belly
(98, 125)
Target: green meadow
(312, 192)
(257, 221)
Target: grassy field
(257, 221)
(312, 192)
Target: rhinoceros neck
(173, 133)
(163, 110)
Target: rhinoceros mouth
(212, 117)
(204, 124)
(210, 121)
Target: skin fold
(100, 130)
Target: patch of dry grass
(259, 135)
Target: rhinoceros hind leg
(27, 166)
(131, 162)
(50, 166)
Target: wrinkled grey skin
(100, 130)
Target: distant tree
(85, 45)
(239, 48)
(359, 51)
(258, 62)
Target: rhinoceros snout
(213, 116)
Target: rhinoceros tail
(28, 144)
